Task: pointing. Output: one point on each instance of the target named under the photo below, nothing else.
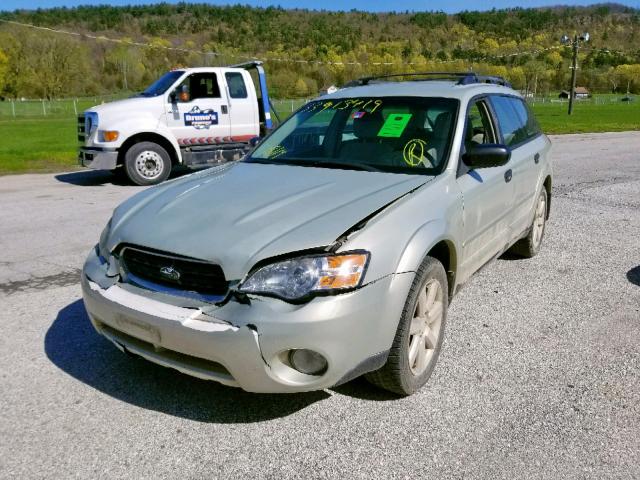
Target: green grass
(48, 144)
(38, 145)
(588, 117)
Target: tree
(630, 74)
(301, 88)
(613, 77)
(4, 69)
(49, 65)
(125, 60)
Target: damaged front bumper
(245, 345)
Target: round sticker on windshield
(413, 153)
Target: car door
(487, 193)
(197, 113)
(521, 133)
(243, 105)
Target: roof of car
(421, 88)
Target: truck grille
(182, 273)
(81, 128)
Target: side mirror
(486, 156)
(173, 98)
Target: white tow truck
(194, 117)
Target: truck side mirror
(173, 97)
(486, 156)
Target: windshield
(390, 134)
(162, 84)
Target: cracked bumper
(242, 345)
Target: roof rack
(463, 78)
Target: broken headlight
(299, 278)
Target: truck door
(487, 194)
(243, 105)
(197, 112)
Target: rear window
(515, 119)
(237, 88)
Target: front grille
(81, 128)
(173, 271)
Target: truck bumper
(98, 158)
(244, 345)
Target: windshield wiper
(345, 165)
(299, 162)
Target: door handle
(536, 158)
(508, 175)
(224, 109)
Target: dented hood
(240, 213)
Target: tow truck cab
(193, 117)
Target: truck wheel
(418, 340)
(529, 246)
(147, 163)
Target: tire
(147, 163)
(529, 246)
(400, 375)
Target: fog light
(308, 361)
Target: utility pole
(574, 71)
(574, 63)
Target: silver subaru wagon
(334, 248)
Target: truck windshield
(162, 84)
(389, 134)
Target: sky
(449, 6)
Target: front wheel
(147, 163)
(418, 340)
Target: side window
(202, 85)
(237, 88)
(516, 121)
(479, 128)
(533, 127)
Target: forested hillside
(306, 50)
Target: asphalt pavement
(539, 376)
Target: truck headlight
(299, 278)
(90, 122)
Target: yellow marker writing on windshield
(413, 152)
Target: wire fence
(71, 107)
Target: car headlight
(299, 278)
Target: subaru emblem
(170, 273)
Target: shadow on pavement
(633, 275)
(96, 178)
(510, 256)
(360, 388)
(91, 178)
(73, 346)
